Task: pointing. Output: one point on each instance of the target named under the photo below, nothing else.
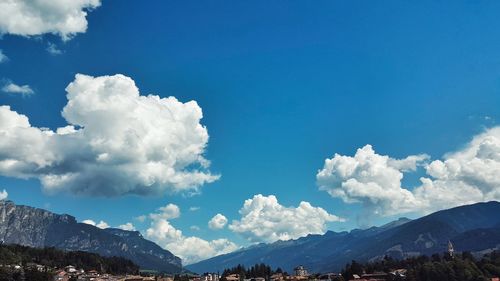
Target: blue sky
(283, 85)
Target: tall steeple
(450, 249)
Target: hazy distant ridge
(472, 227)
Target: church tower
(450, 249)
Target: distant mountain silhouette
(471, 228)
(35, 227)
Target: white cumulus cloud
(116, 142)
(371, 179)
(264, 219)
(128, 226)
(466, 176)
(170, 211)
(101, 224)
(12, 88)
(217, 222)
(36, 17)
(4, 194)
(190, 248)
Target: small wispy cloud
(140, 218)
(4, 194)
(489, 119)
(3, 57)
(12, 88)
(101, 224)
(128, 226)
(53, 50)
(194, 208)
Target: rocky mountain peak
(37, 227)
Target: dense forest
(258, 270)
(53, 258)
(461, 267)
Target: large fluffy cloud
(467, 176)
(190, 248)
(36, 17)
(370, 178)
(264, 219)
(116, 142)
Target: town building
(376, 276)
(233, 277)
(210, 277)
(300, 271)
(277, 277)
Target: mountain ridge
(399, 239)
(35, 227)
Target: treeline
(9, 274)
(258, 270)
(54, 258)
(461, 267)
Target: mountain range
(39, 228)
(474, 228)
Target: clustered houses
(70, 272)
(381, 276)
(204, 277)
(301, 274)
(28, 266)
(210, 277)
(236, 277)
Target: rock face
(40, 228)
(473, 228)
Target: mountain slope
(472, 227)
(310, 251)
(35, 227)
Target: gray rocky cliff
(35, 227)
